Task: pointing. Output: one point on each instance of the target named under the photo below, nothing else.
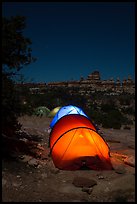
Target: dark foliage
(10, 107)
(16, 53)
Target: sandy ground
(29, 179)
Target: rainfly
(66, 110)
(74, 143)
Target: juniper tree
(16, 53)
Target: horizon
(121, 80)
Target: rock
(87, 190)
(122, 196)
(122, 185)
(39, 166)
(23, 139)
(25, 158)
(54, 171)
(83, 182)
(44, 175)
(130, 161)
(52, 167)
(33, 162)
(90, 191)
(120, 170)
(69, 188)
(100, 177)
(4, 182)
(15, 184)
(106, 190)
(118, 165)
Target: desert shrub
(16, 53)
(10, 107)
(126, 99)
(112, 119)
(127, 127)
(95, 116)
(107, 107)
(128, 110)
(52, 98)
(108, 123)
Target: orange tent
(74, 143)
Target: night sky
(71, 40)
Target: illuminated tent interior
(66, 110)
(74, 144)
(54, 111)
(41, 111)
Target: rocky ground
(34, 178)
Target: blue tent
(66, 110)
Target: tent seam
(69, 131)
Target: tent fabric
(54, 111)
(74, 143)
(41, 111)
(66, 110)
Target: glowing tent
(41, 111)
(66, 110)
(54, 111)
(74, 143)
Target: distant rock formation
(93, 83)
